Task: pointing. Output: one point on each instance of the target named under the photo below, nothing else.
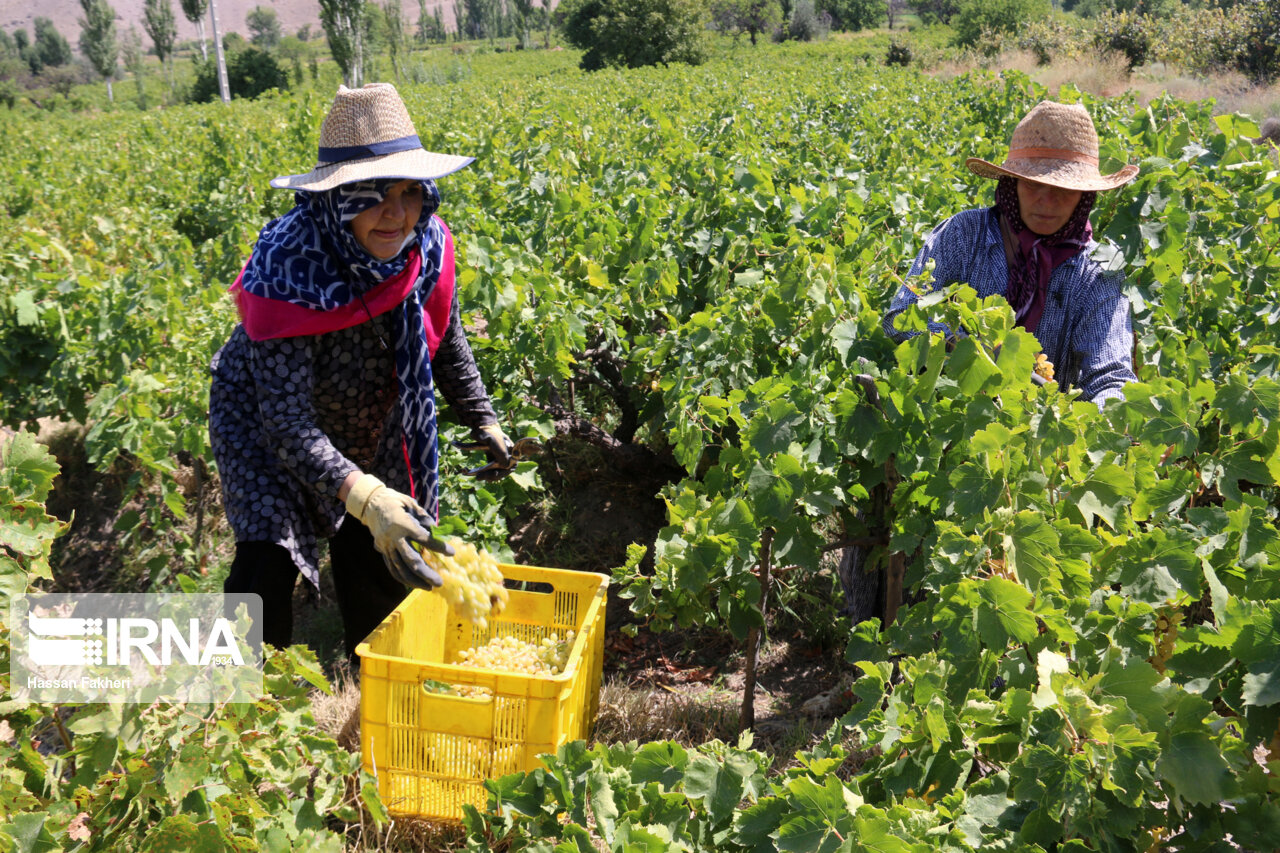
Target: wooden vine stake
(896, 570)
(747, 718)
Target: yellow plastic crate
(430, 752)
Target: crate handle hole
(529, 586)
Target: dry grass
(338, 713)
(654, 713)
(1107, 76)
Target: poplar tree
(158, 21)
(193, 11)
(344, 25)
(396, 43)
(98, 39)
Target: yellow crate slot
(431, 749)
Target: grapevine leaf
(872, 833)
(24, 306)
(28, 468)
(843, 336)
(773, 430)
(821, 816)
(603, 807)
(29, 833)
(1262, 686)
(1137, 683)
(720, 786)
(753, 826)
(185, 774)
(1031, 546)
(974, 490)
(972, 367)
(1017, 354)
(373, 802)
(663, 762)
(180, 833)
(1195, 768)
(1166, 496)
(1103, 493)
(642, 839)
(1004, 613)
(26, 530)
(1244, 403)
(1158, 565)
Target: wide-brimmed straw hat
(1270, 131)
(368, 134)
(1055, 144)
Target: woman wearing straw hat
(1032, 247)
(322, 408)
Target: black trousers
(365, 589)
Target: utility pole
(224, 88)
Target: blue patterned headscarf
(310, 257)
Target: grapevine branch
(747, 718)
(626, 457)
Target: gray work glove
(395, 520)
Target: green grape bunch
(511, 654)
(473, 584)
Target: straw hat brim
(416, 164)
(1058, 173)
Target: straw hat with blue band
(368, 134)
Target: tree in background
(264, 27)
(131, 53)
(344, 23)
(632, 33)
(98, 39)
(1154, 8)
(936, 11)
(430, 24)
(523, 11)
(459, 18)
(250, 72)
(477, 19)
(978, 17)
(158, 21)
(375, 38)
(21, 43)
(894, 8)
(1260, 54)
(752, 17)
(193, 11)
(293, 50)
(807, 23)
(397, 40)
(853, 15)
(49, 49)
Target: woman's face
(1045, 209)
(382, 229)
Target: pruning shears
(522, 449)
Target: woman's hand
(396, 520)
(499, 448)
